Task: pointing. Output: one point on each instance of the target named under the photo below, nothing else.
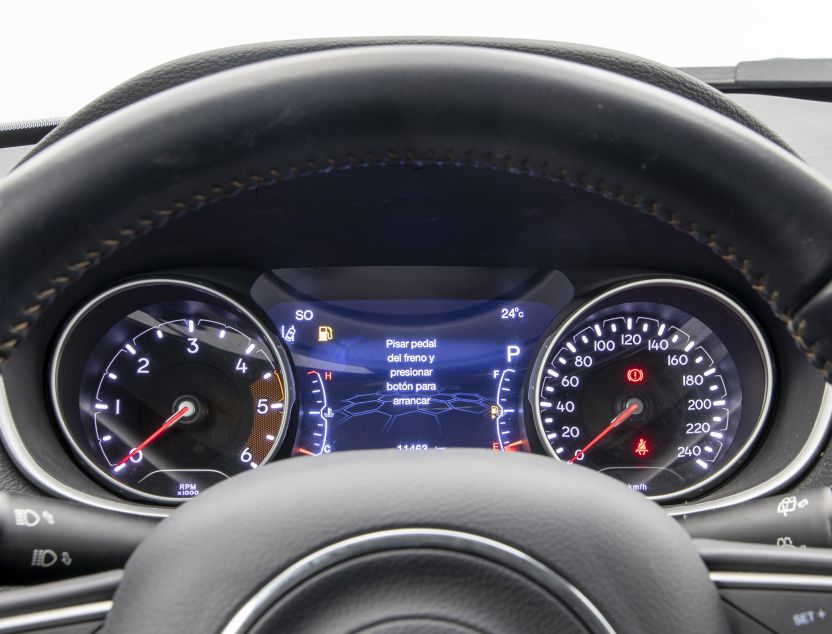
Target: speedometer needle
(170, 422)
(615, 423)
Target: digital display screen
(412, 375)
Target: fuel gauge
(505, 412)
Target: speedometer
(663, 384)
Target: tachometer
(164, 388)
(663, 384)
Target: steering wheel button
(785, 611)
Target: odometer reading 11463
(648, 393)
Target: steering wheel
(456, 541)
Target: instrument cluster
(163, 386)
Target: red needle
(170, 422)
(615, 423)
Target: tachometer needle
(170, 422)
(615, 423)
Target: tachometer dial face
(176, 395)
(663, 395)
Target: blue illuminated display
(411, 375)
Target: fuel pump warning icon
(325, 333)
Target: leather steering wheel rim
(198, 65)
(216, 555)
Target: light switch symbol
(26, 517)
(43, 557)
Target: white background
(55, 56)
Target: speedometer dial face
(663, 395)
(175, 395)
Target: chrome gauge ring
(164, 387)
(656, 383)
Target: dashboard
(421, 323)
(496, 314)
(413, 309)
(166, 381)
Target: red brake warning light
(635, 375)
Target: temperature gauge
(313, 439)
